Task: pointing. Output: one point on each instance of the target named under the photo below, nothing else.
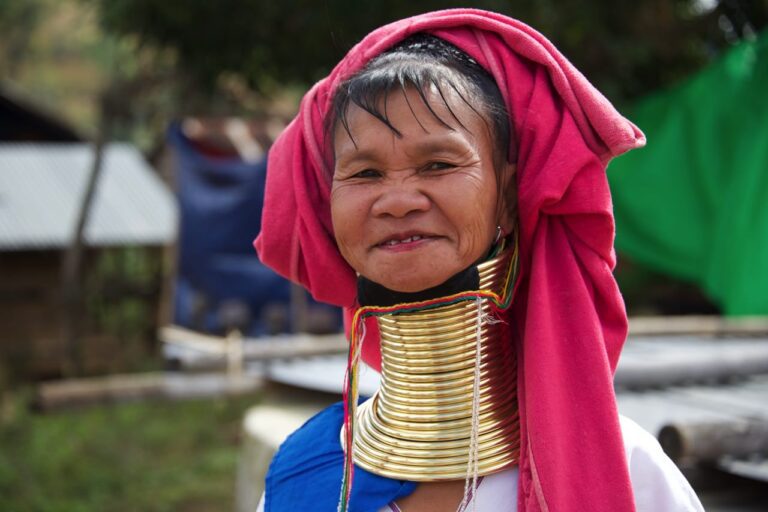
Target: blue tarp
(221, 201)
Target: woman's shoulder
(321, 431)
(308, 463)
(658, 484)
(306, 471)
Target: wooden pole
(698, 325)
(90, 391)
(298, 308)
(709, 441)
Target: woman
(446, 184)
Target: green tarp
(694, 202)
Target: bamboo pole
(256, 349)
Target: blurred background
(148, 361)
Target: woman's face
(411, 211)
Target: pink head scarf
(568, 309)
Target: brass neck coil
(418, 425)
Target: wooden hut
(43, 175)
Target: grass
(143, 457)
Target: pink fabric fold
(568, 310)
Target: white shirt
(657, 483)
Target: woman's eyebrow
(358, 155)
(441, 145)
(445, 144)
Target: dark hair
(423, 61)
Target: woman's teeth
(403, 241)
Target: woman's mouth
(393, 242)
(404, 242)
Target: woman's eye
(367, 173)
(438, 166)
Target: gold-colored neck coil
(418, 425)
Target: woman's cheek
(348, 219)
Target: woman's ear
(508, 198)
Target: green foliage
(149, 457)
(627, 47)
(17, 19)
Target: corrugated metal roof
(41, 186)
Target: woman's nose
(400, 200)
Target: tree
(626, 47)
